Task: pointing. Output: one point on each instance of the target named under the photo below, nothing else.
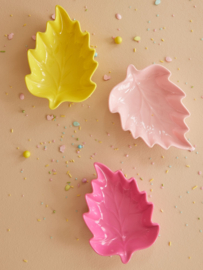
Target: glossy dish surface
(62, 63)
(150, 106)
(119, 215)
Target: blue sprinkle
(57, 161)
(157, 2)
(176, 157)
(196, 152)
(180, 212)
(148, 29)
(63, 132)
(175, 206)
(72, 143)
(157, 15)
(61, 140)
(201, 38)
(160, 28)
(148, 21)
(186, 224)
(169, 166)
(200, 230)
(80, 146)
(44, 218)
(188, 192)
(51, 237)
(63, 156)
(76, 124)
(96, 54)
(154, 42)
(65, 127)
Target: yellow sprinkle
(49, 142)
(75, 131)
(175, 57)
(162, 39)
(77, 239)
(169, 243)
(47, 205)
(188, 166)
(62, 136)
(11, 15)
(29, 15)
(178, 68)
(78, 195)
(11, 130)
(189, 257)
(191, 30)
(100, 141)
(67, 220)
(37, 158)
(69, 174)
(141, 178)
(166, 171)
(134, 50)
(193, 202)
(79, 128)
(164, 27)
(135, 9)
(66, 162)
(18, 148)
(54, 173)
(47, 165)
(29, 140)
(161, 210)
(151, 180)
(135, 144)
(162, 156)
(6, 93)
(24, 24)
(25, 178)
(79, 156)
(151, 189)
(33, 106)
(41, 143)
(72, 186)
(161, 61)
(190, 20)
(9, 230)
(125, 175)
(194, 187)
(146, 48)
(152, 39)
(25, 261)
(5, 35)
(62, 115)
(38, 220)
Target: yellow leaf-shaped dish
(62, 63)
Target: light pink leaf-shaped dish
(119, 215)
(150, 106)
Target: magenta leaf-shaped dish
(119, 215)
(150, 106)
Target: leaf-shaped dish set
(119, 215)
(150, 106)
(62, 63)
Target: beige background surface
(54, 243)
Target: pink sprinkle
(85, 6)
(150, 195)
(83, 143)
(118, 29)
(78, 152)
(152, 163)
(54, 170)
(162, 187)
(50, 117)
(93, 34)
(118, 16)
(34, 37)
(58, 124)
(88, 106)
(52, 160)
(53, 16)
(50, 179)
(129, 146)
(155, 30)
(44, 142)
(37, 146)
(190, 58)
(23, 195)
(168, 59)
(84, 180)
(26, 115)
(173, 15)
(21, 96)
(199, 172)
(78, 185)
(53, 140)
(45, 148)
(90, 135)
(106, 77)
(201, 188)
(62, 148)
(201, 96)
(10, 36)
(127, 155)
(108, 134)
(94, 154)
(134, 167)
(195, 6)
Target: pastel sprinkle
(157, 2)
(118, 16)
(137, 38)
(10, 36)
(21, 96)
(76, 124)
(168, 59)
